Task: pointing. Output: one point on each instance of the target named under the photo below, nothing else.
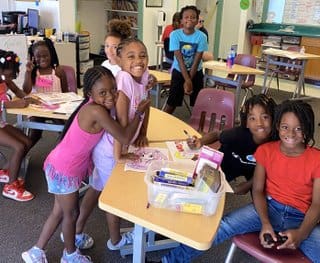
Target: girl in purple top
(70, 161)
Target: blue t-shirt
(188, 45)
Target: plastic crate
(177, 198)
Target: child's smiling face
(134, 59)
(104, 92)
(189, 19)
(110, 48)
(42, 57)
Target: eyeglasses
(201, 21)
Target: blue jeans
(245, 220)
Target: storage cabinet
(312, 45)
(124, 10)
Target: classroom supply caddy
(201, 196)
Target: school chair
(287, 71)
(71, 78)
(249, 80)
(250, 243)
(213, 109)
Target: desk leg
(297, 92)
(139, 244)
(264, 85)
(238, 94)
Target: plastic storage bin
(177, 198)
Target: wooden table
(272, 59)
(239, 70)
(125, 195)
(162, 78)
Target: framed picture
(153, 3)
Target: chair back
(71, 78)
(248, 61)
(213, 109)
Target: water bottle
(233, 55)
(229, 61)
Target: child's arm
(188, 87)
(260, 203)
(63, 79)
(208, 138)
(13, 87)
(311, 219)
(142, 139)
(195, 64)
(27, 83)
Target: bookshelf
(124, 10)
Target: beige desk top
(236, 69)
(290, 54)
(28, 111)
(125, 195)
(166, 127)
(162, 77)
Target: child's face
(290, 131)
(42, 57)
(189, 19)
(259, 123)
(110, 48)
(134, 60)
(104, 92)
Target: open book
(51, 98)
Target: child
(118, 30)
(239, 144)
(188, 45)
(103, 159)
(43, 74)
(67, 165)
(10, 136)
(286, 190)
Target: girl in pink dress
(70, 161)
(10, 136)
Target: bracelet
(139, 113)
(2, 107)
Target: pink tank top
(47, 83)
(72, 156)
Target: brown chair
(250, 243)
(71, 78)
(248, 83)
(213, 109)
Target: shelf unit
(124, 10)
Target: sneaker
(82, 241)
(34, 255)
(75, 257)
(4, 176)
(16, 192)
(126, 239)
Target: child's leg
(114, 228)
(88, 203)
(50, 225)
(14, 139)
(69, 204)
(311, 246)
(35, 135)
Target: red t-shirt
(166, 33)
(289, 180)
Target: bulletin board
(19, 45)
(306, 12)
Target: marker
(148, 205)
(186, 133)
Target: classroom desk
(162, 78)
(239, 70)
(125, 195)
(272, 59)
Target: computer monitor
(33, 20)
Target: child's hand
(242, 188)
(194, 142)
(143, 105)
(267, 229)
(141, 141)
(29, 66)
(20, 103)
(293, 241)
(152, 81)
(187, 86)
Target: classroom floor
(22, 222)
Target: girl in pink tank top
(70, 161)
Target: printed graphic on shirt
(188, 51)
(250, 158)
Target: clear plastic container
(180, 198)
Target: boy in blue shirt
(188, 45)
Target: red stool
(250, 243)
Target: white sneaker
(126, 239)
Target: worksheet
(180, 151)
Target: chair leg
(244, 97)
(187, 105)
(231, 253)
(278, 86)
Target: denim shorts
(59, 183)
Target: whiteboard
(17, 44)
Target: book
(180, 151)
(51, 98)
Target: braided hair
(53, 54)
(9, 60)
(304, 112)
(263, 100)
(91, 76)
(126, 42)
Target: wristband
(139, 114)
